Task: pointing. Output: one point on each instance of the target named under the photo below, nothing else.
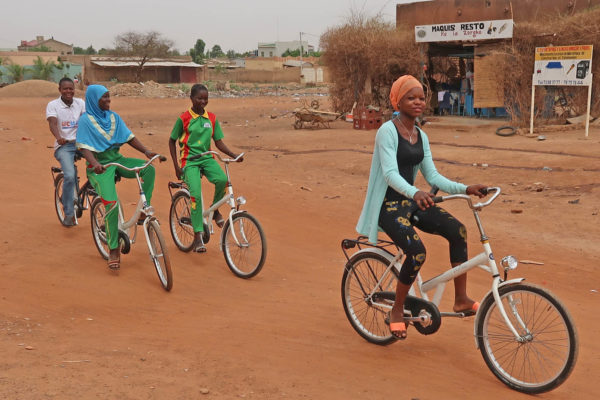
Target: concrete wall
(448, 11)
(254, 76)
(27, 58)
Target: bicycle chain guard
(428, 311)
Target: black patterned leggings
(394, 219)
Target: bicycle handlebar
(476, 206)
(224, 160)
(136, 169)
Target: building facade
(52, 44)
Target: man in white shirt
(63, 115)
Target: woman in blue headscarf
(100, 135)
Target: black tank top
(407, 156)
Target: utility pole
(301, 51)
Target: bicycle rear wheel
(180, 222)
(246, 256)
(58, 191)
(361, 296)
(159, 254)
(97, 217)
(546, 353)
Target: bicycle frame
(484, 260)
(228, 198)
(142, 204)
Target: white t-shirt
(67, 116)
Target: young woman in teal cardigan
(401, 150)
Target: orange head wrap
(402, 86)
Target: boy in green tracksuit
(194, 129)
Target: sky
(232, 24)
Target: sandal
(398, 330)
(199, 246)
(114, 265)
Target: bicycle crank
(425, 315)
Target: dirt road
(71, 329)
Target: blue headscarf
(100, 129)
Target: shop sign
(563, 65)
(462, 31)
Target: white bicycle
(128, 229)
(243, 240)
(525, 334)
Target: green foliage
(43, 69)
(185, 88)
(197, 53)
(291, 53)
(103, 51)
(216, 51)
(40, 48)
(90, 50)
(78, 50)
(16, 72)
(210, 85)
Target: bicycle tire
(180, 222)
(547, 355)
(247, 258)
(159, 254)
(506, 130)
(97, 214)
(361, 274)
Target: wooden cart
(312, 118)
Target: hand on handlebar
(477, 190)
(238, 159)
(423, 199)
(99, 168)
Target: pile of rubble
(145, 89)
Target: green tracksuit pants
(104, 184)
(192, 175)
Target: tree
(142, 47)
(43, 69)
(90, 50)
(40, 48)
(232, 54)
(197, 53)
(216, 51)
(16, 72)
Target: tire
(97, 213)
(246, 259)
(361, 274)
(180, 222)
(546, 357)
(159, 254)
(506, 130)
(58, 190)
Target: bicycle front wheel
(362, 285)
(159, 254)
(544, 355)
(97, 217)
(244, 245)
(180, 222)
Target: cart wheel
(298, 124)
(314, 104)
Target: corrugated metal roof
(106, 63)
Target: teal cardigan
(384, 173)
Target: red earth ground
(71, 329)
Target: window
(270, 54)
(262, 53)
